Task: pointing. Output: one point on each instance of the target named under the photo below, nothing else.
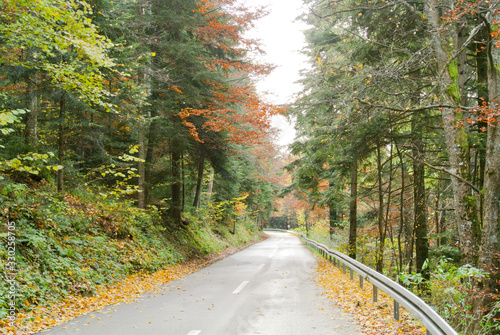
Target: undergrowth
(83, 241)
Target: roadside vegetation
(80, 247)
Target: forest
(132, 137)
(398, 146)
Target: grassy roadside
(74, 254)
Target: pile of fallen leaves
(373, 317)
(122, 292)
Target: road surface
(267, 289)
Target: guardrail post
(360, 281)
(375, 294)
(343, 267)
(351, 273)
(396, 310)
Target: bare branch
(445, 171)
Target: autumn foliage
(233, 106)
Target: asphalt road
(267, 288)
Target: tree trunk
(333, 218)
(210, 185)
(32, 118)
(456, 141)
(489, 257)
(401, 211)
(141, 195)
(380, 219)
(353, 208)
(60, 146)
(333, 215)
(199, 181)
(176, 185)
(483, 98)
(148, 162)
(183, 183)
(306, 219)
(420, 227)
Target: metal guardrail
(432, 321)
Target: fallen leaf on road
(375, 318)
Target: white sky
(282, 39)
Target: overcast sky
(282, 39)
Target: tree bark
(199, 181)
(489, 244)
(141, 196)
(333, 218)
(401, 210)
(210, 185)
(380, 219)
(148, 162)
(176, 185)
(456, 143)
(32, 118)
(60, 146)
(333, 215)
(353, 208)
(420, 227)
(183, 183)
(483, 98)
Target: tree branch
(445, 171)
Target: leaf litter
(375, 318)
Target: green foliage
(489, 323)
(72, 245)
(453, 290)
(320, 231)
(9, 117)
(31, 163)
(225, 229)
(120, 176)
(63, 43)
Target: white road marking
(239, 288)
(261, 266)
(194, 332)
